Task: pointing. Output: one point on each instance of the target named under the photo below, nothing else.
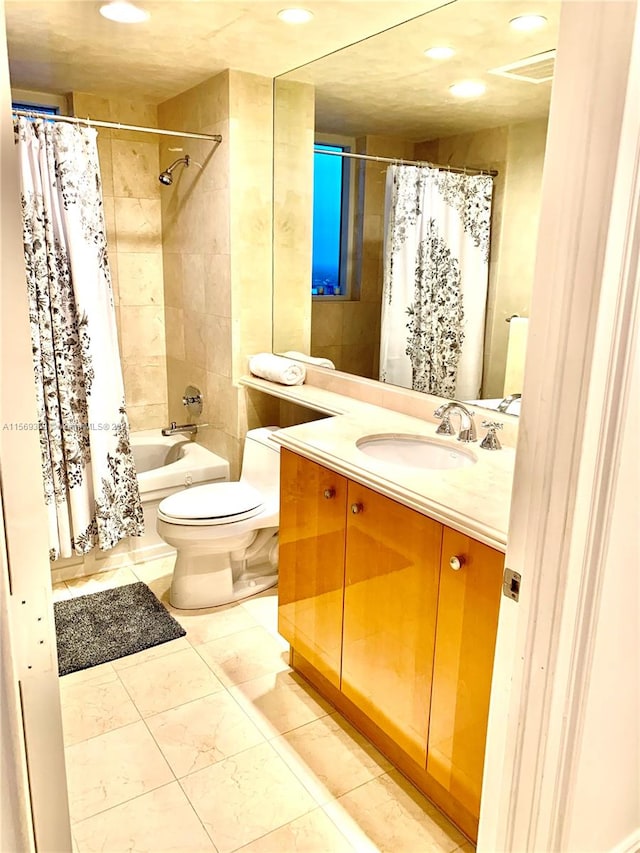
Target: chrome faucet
(503, 405)
(174, 429)
(467, 425)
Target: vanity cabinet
(390, 600)
(313, 504)
(468, 604)
(393, 617)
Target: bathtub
(164, 465)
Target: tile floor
(212, 743)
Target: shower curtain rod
(213, 137)
(398, 161)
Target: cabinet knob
(456, 563)
(357, 508)
(330, 493)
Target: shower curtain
(90, 483)
(436, 269)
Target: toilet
(226, 534)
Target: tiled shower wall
(217, 253)
(131, 193)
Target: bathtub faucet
(174, 429)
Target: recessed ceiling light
(439, 52)
(124, 12)
(468, 89)
(295, 16)
(526, 23)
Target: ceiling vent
(533, 69)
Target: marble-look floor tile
(243, 656)
(203, 732)
(394, 816)
(244, 797)
(152, 653)
(60, 592)
(100, 674)
(314, 832)
(279, 702)
(90, 709)
(100, 581)
(112, 768)
(330, 757)
(203, 626)
(264, 609)
(169, 681)
(161, 821)
(153, 569)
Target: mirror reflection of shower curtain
(436, 271)
(90, 483)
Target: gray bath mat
(111, 624)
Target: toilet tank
(261, 460)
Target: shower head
(166, 177)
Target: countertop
(474, 500)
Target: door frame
(576, 401)
(32, 720)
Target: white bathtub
(164, 465)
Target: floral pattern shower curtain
(436, 271)
(90, 483)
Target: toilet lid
(214, 501)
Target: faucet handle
(490, 441)
(445, 427)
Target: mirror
(384, 98)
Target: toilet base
(211, 580)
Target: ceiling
(64, 45)
(386, 86)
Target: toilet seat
(215, 503)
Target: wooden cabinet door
(311, 572)
(391, 590)
(468, 604)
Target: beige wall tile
(145, 381)
(133, 112)
(86, 105)
(138, 225)
(135, 169)
(174, 320)
(195, 338)
(327, 322)
(221, 404)
(140, 278)
(109, 212)
(217, 285)
(148, 417)
(218, 345)
(106, 165)
(172, 276)
(142, 330)
(193, 282)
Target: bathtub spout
(174, 429)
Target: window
(331, 187)
(39, 108)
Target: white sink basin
(415, 451)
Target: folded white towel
(310, 359)
(277, 369)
